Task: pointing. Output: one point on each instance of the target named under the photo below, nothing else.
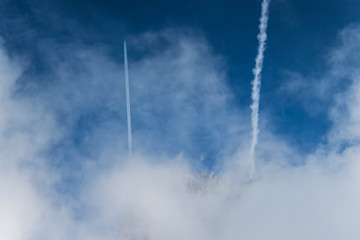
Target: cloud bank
(65, 172)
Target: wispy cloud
(63, 150)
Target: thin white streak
(127, 100)
(256, 83)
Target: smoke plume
(256, 84)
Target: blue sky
(300, 35)
(64, 168)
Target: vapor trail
(256, 83)
(127, 100)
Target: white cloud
(176, 91)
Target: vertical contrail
(127, 100)
(256, 83)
